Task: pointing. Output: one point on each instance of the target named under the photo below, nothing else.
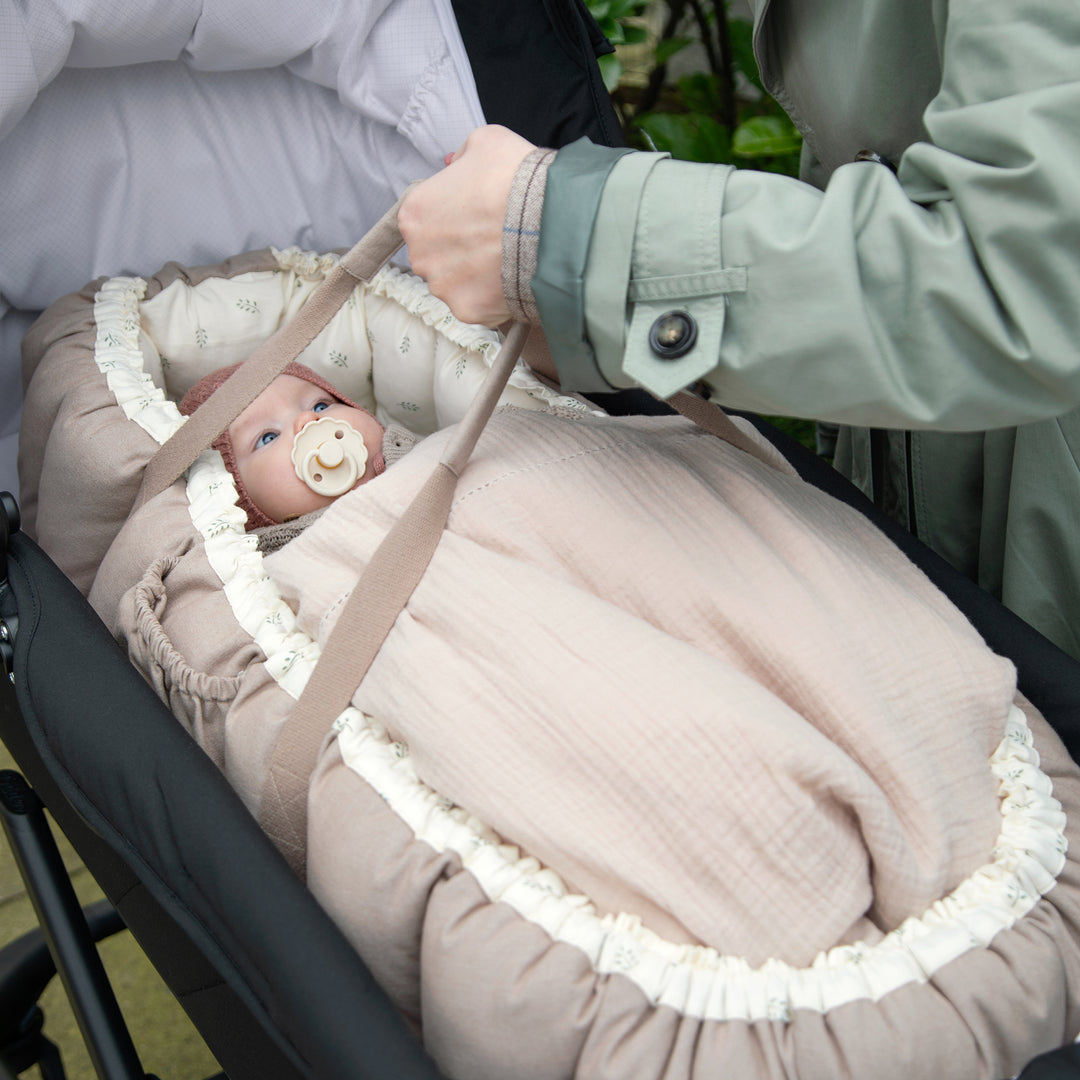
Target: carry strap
(399, 562)
(367, 617)
(711, 418)
(383, 590)
(270, 359)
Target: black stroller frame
(223, 948)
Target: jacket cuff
(667, 298)
(575, 182)
(521, 234)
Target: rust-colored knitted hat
(202, 390)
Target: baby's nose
(304, 417)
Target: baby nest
(477, 725)
(393, 348)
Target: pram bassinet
(282, 994)
(159, 575)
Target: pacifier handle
(330, 456)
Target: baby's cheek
(271, 483)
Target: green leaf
(700, 92)
(804, 431)
(612, 15)
(687, 136)
(742, 50)
(611, 70)
(766, 136)
(667, 48)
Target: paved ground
(168, 1045)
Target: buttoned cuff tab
(575, 180)
(688, 286)
(679, 284)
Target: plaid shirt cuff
(521, 235)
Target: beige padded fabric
(670, 766)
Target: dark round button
(673, 335)
(876, 158)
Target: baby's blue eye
(266, 438)
(319, 406)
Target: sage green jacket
(940, 301)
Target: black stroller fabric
(268, 980)
(563, 98)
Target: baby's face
(262, 440)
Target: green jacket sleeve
(946, 296)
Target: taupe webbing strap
(270, 359)
(715, 421)
(380, 595)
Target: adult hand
(453, 224)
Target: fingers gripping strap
(270, 359)
(380, 595)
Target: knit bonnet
(202, 390)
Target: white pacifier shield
(329, 456)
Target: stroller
(268, 979)
(221, 918)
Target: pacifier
(329, 456)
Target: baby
(298, 446)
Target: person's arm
(945, 297)
(473, 234)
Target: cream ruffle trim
(118, 353)
(231, 551)
(700, 982)
(411, 293)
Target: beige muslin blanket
(699, 690)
